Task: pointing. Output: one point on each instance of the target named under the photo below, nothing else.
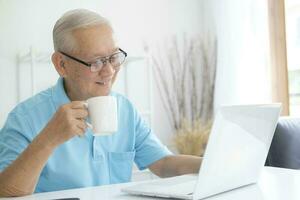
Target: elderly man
(39, 150)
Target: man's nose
(107, 68)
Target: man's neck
(70, 93)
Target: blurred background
(232, 43)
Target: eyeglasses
(115, 60)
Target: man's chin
(102, 90)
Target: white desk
(274, 184)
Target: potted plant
(185, 70)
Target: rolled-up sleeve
(13, 139)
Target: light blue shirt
(80, 162)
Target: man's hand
(68, 121)
(176, 165)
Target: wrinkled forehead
(95, 41)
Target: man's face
(93, 42)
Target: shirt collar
(59, 94)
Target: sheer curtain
(251, 51)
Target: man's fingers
(81, 126)
(80, 113)
(78, 104)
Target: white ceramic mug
(103, 114)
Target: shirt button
(98, 156)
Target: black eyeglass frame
(107, 58)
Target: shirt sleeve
(148, 147)
(13, 139)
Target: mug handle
(86, 104)
(89, 125)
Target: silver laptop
(235, 155)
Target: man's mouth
(101, 83)
(104, 81)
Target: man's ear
(59, 64)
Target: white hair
(63, 39)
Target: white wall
(29, 23)
(240, 26)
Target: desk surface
(274, 184)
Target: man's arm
(20, 178)
(176, 165)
